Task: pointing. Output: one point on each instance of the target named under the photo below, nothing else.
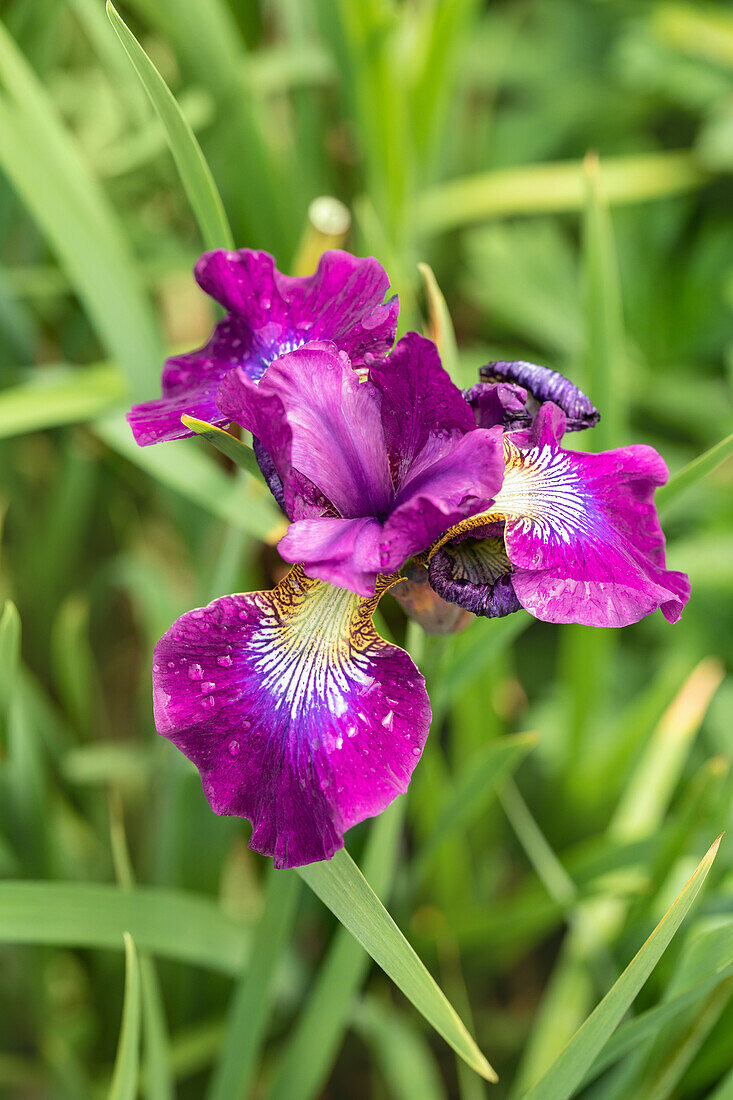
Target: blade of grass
(343, 889)
(440, 326)
(605, 350)
(250, 1004)
(158, 1080)
(44, 166)
(196, 177)
(566, 1073)
(550, 188)
(690, 474)
(60, 395)
(127, 1063)
(313, 1045)
(170, 923)
(406, 1062)
(233, 448)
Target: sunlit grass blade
(9, 652)
(566, 1073)
(127, 1063)
(250, 1005)
(547, 188)
(51, 179)
(440, 325)
(60, 395)
(195, 174)
(646, 1026)
(690, 474)
(233, 448)
(170, 923)
(473, 787)
(181, 467)
(605, 352)
(341, 886)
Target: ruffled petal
(473, 571)
(420, 402)
(543, 384)
(189, 385)
(342, 301)
(269, 315)
(343, 551)
(582, 533)
(296, 713)
(313, 414)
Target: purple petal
(582, 532)
(448, 482)
(269, 314)
(544, 384)
(342, 302)
(343, 551)
(473, 571)
(296, 713)
(313, 414)
(189, 384)
(419, 401)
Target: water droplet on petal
(195, 672)
(224, 661)
(207, 687)
(233, 747)
(207, 701)
(416, 751)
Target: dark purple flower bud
(543, 384)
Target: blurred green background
(456, 133)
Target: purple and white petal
(474, 572)
(296, 713)
(582, 533)
(543, 384)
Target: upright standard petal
(543, 384)
(269, 314)
(313, 414)
(297, 714)
(420, 402)
(581, 531)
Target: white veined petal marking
(316, 644)
(542, 489)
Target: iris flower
(297, 714)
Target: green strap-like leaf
(250, 1004)
(440, 324)
(195, 174)
(567, 1071)
(690, 474)
(233, 448)
(127, 1063)
(171, 923)
(341, 886)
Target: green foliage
(561, 169)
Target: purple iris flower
(296, 713)
(571, 537)
(268, 314)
